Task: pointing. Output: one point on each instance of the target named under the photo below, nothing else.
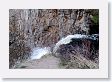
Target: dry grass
(79, 62)
(74, 56)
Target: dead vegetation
(29, 28)
(79, 55)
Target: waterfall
(39, 52)
(67, 40)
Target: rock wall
(29, 28)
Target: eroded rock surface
(29, 28)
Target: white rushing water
(39, 52)
(67, 40)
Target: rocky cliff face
(29, 28)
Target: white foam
(67, 40)
(39, 52)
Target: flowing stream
(38, 52)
